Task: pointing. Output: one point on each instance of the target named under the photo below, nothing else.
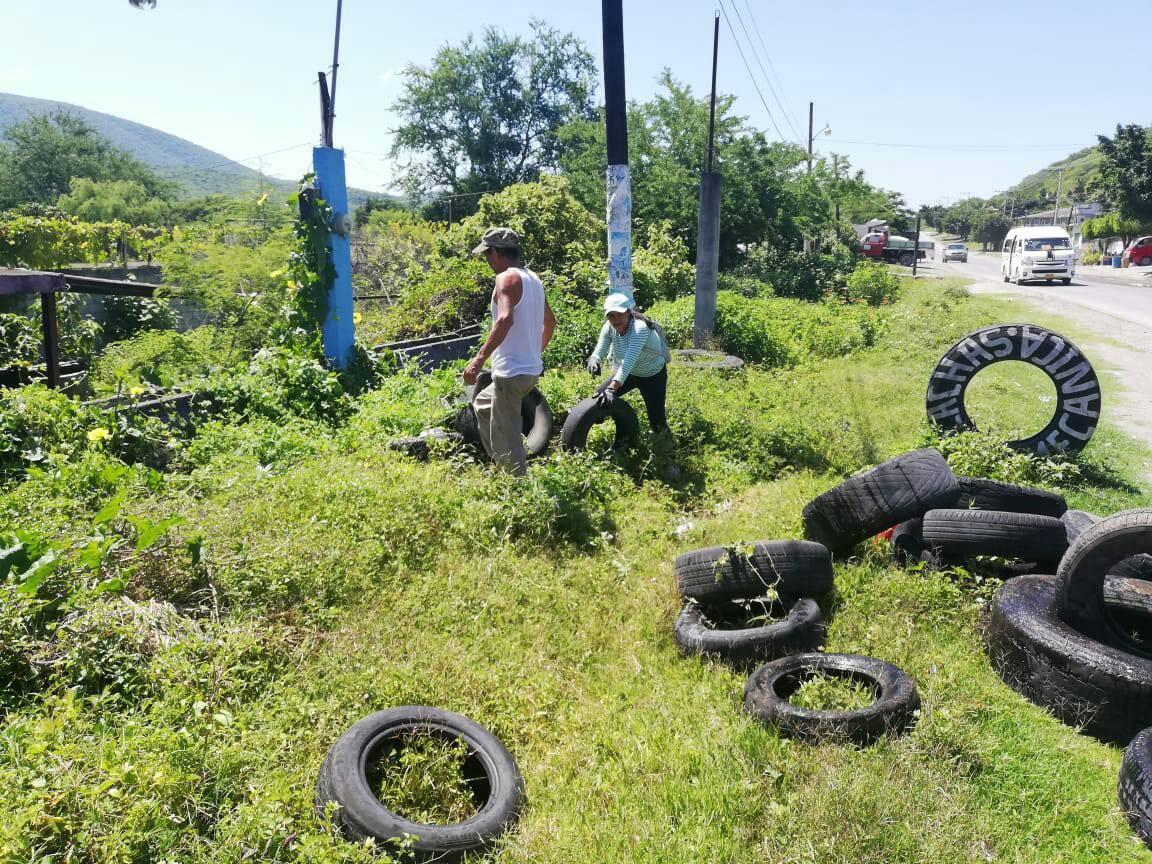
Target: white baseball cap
(617, 302)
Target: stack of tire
(1079, 643)
(1025, 525)
(748, 605)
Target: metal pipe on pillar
(708, 224)
(619, 181)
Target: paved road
(1124, 294)
(1114, 305)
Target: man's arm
(549, 325)
(509, 290)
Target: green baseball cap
(498, 238)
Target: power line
(751, 77)
(220, 166)
(990, 148)
(779, 83)
(764, 72)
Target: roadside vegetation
(193, 609)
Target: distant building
(1072, 218)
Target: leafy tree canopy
(44, 152)
(1127, 172)
(114, 200)
(486, 114)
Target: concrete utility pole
(1059, 190)
(708, 224)
(811, 107)
(339, 330)
(916, 246)
(616, 123)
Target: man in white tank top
(522, 325)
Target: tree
(667, 137)
(990, 227)
(1126, 172)
(487, 114)
(44, 152)
(114, 200)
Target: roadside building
(1072, 218)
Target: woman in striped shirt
(637, 355)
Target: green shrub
(872, 283)
(660, 266)
(804, 275)
(453, 293)
(983, 454)
(19, 340)
(35, 421)
(163, 358)
(745, 286)
(578, 325)
(273, 445)
(279, 384)
(124, 317)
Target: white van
(1039, 252)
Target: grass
(348, 579)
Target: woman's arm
(601, 349)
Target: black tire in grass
(1095, 555)
(721, 572)
(981, 494)
(702, 630)
(908, 547)
(490, 770)
(536, 418)
(873, 501)
(1136, 567)
(894, 710)
(960, 534)
(1076, 522)
(1082, 681)
(1135, 787)
(583, 416)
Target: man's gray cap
(498, 238)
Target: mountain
(1081, 170)
(197, 169)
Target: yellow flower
(357, 317)
(136, 391)
(98, 434)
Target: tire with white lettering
(873, 501)
(729, 632)
(1084, 682)
(1135, 787)
(1078, 396)
(1097, 553)
(978, 493)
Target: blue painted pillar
(339, 327)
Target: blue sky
(983, 95)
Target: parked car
(956, 252)
(1139, 252)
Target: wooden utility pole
(916, 246)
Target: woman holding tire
(638, 359)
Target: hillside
(1081, 168)
(199, 171)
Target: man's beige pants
(497, 409)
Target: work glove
(593, 366)
(606, 397)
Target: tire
(894, 711)
(1135, 786)
(801, 629)
(1094, 555)
(361, 815)
(905, 259)
(1078, 396)
(873, 501)
(418, 447)
(724, 572)
(1129, 603)
(981, 494)
(1136, 567)
(695, 358)
(961, 534)
(1145, 261)
(908, 547)
(585, 415)
(1066, 281)
(1076, 522)
(536, 418)
(1083, 682)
